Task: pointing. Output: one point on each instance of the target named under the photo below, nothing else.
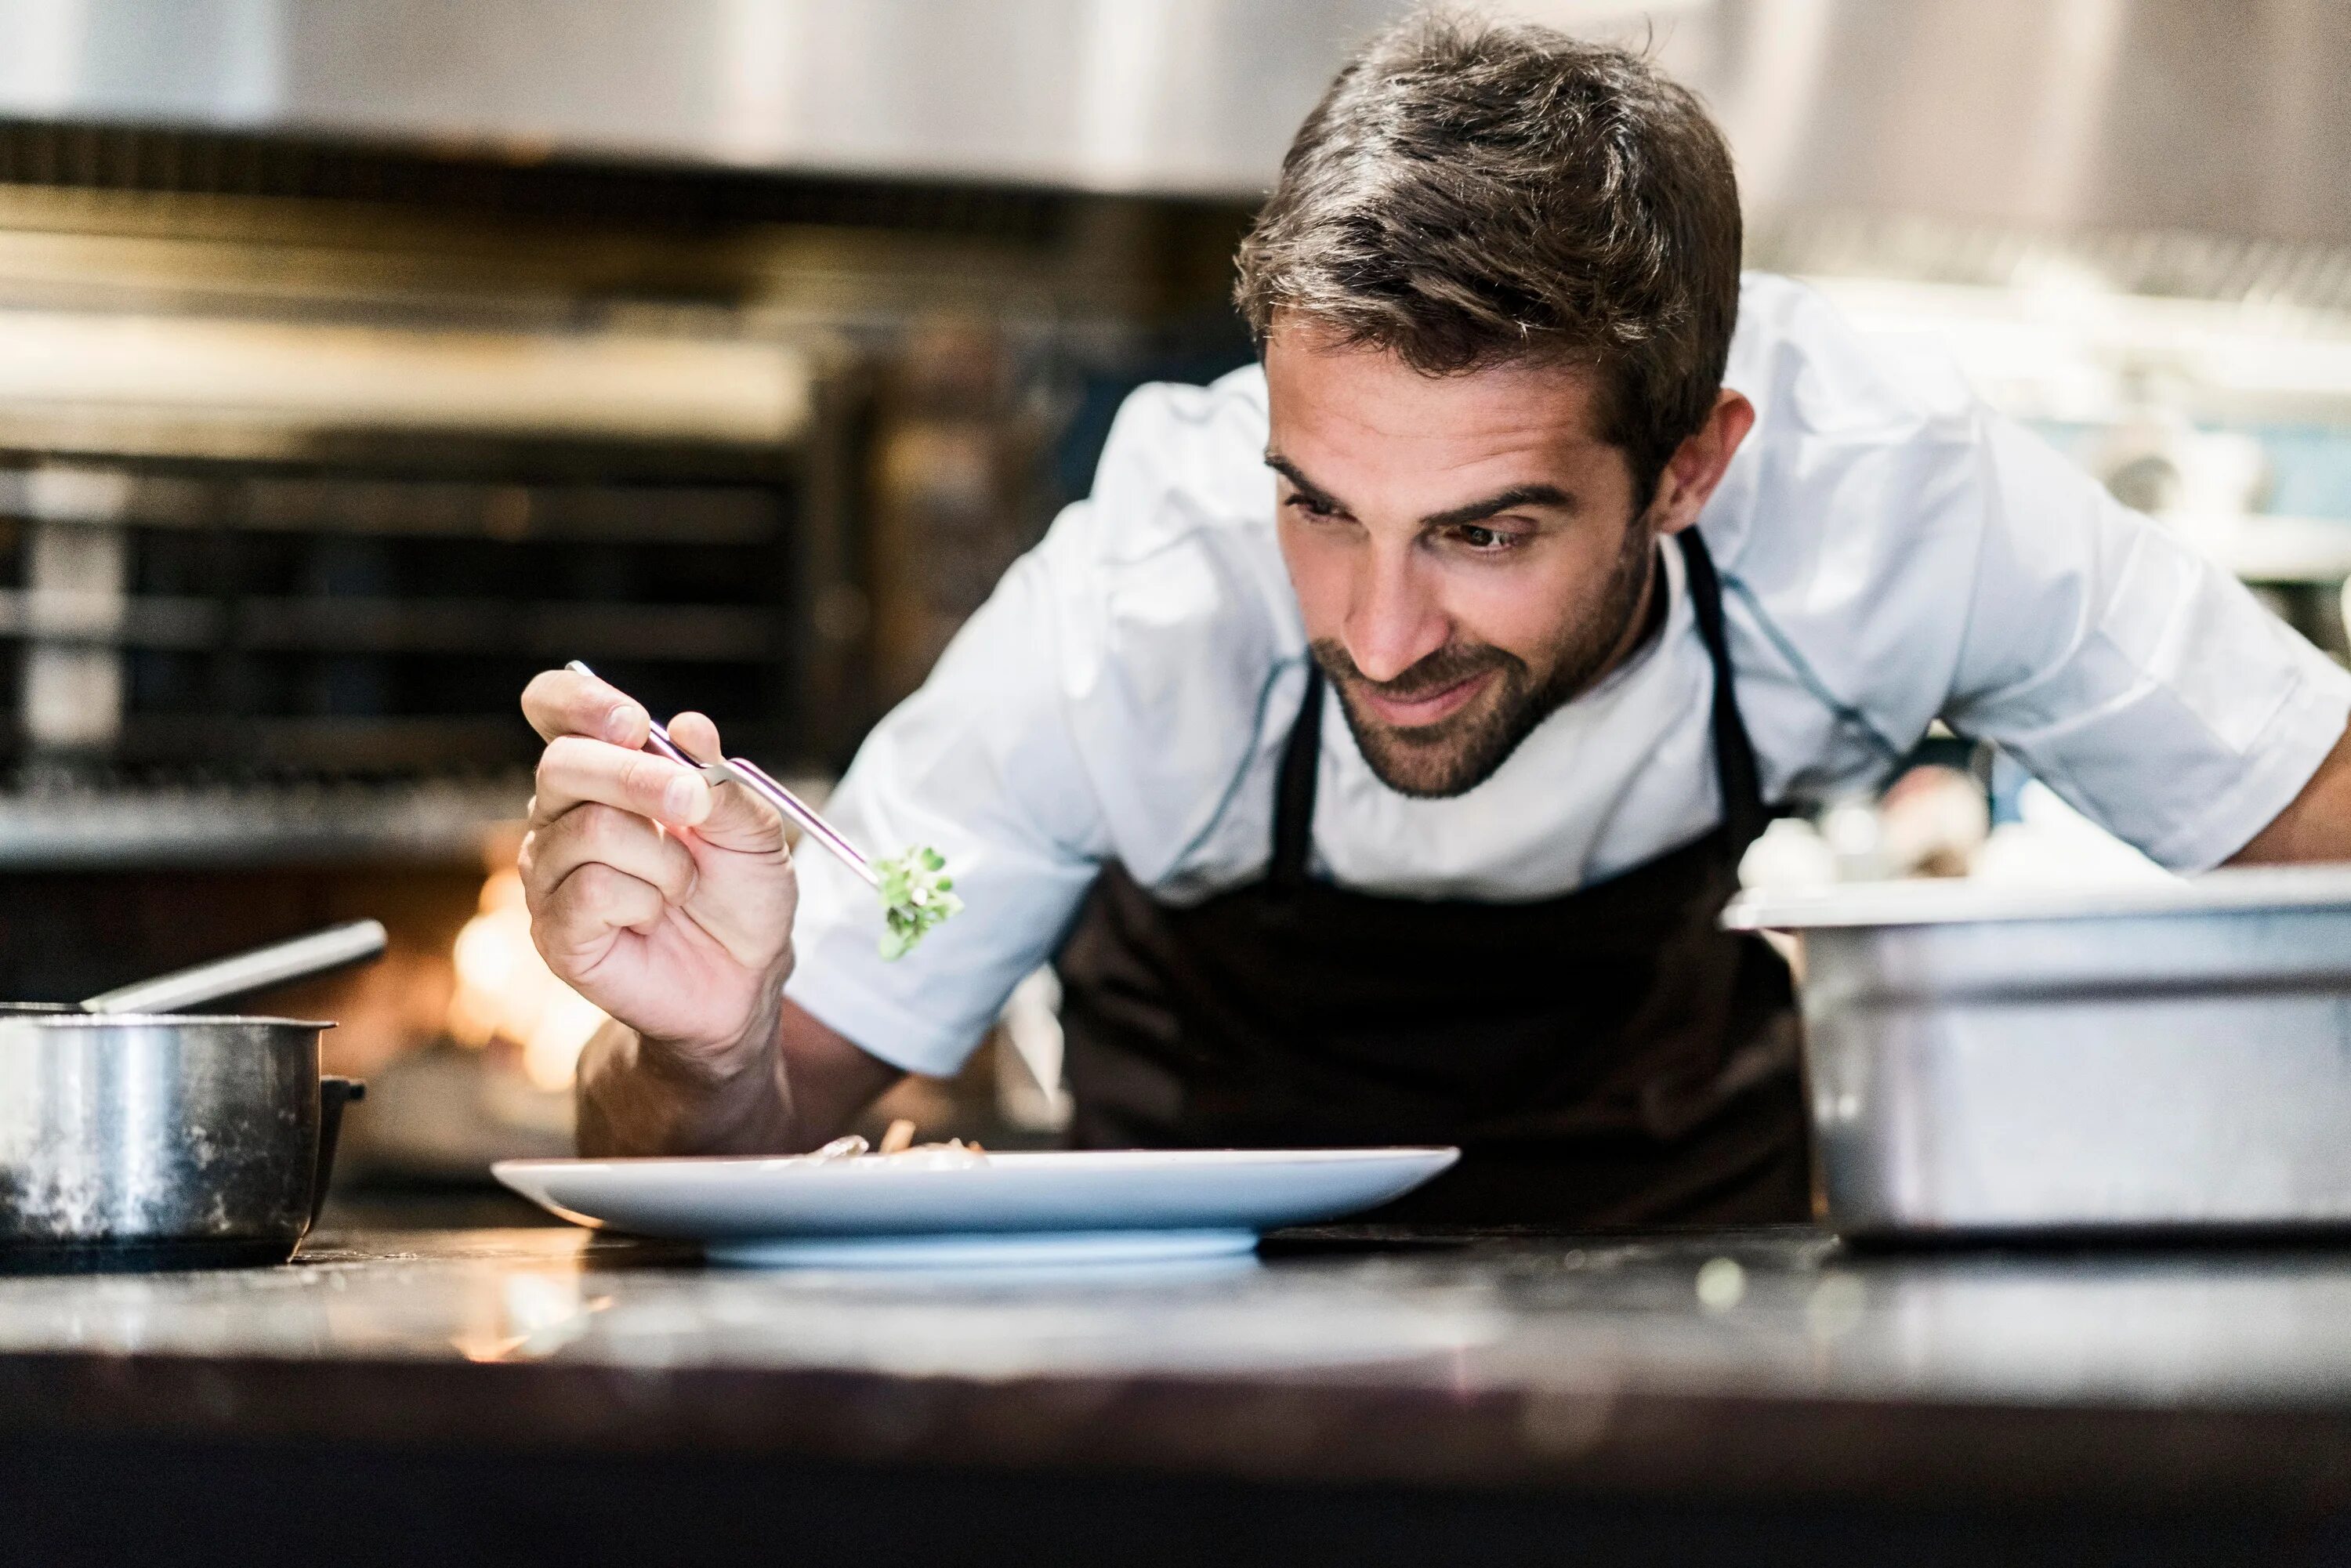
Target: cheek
(1530, 607)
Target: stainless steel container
(142, 1141)
(2003, 1062)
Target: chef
(1373, 749)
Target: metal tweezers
(750, 776)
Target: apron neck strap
(1744, 814)
(1293, 795)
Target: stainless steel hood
(1154, 95)
(2220, 116)
(2223, 116)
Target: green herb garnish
(915, 897)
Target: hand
(664, 901)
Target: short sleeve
(2132, 675)
(1893, 551)
(1102, 705)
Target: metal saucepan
(133, 1139)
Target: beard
(1462, 750)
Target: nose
(1393, 617)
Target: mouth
(1424, 709)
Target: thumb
(738, 820)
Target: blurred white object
(1029, 1092)
(2054, 845)
(1850, 829)
(1790, 857)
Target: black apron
(1606, 1058)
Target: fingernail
(679, 794)
(617, 728)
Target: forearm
(793, 1084)
(2317, 825)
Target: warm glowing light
(505, 992)
(550, 1052)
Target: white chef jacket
(1891, 552)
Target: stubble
(1465, 749)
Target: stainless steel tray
(2005, 1061)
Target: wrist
(728, 1054)
(708, 1060)
(639, 1093)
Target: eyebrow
(1307, 488)
(1508, 500)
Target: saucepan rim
(75, 1020)
(2229, 893)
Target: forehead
(1351, 405)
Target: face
(1465, 548)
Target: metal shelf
(371, 625)
(393, 509)
(245, 825)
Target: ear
(1699, 464)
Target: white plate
(1137, 1204)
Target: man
(1391, 796)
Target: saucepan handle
(334, 1094)
(337, 947)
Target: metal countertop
(1771, 1364)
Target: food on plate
(916, 896)
(899, 1148)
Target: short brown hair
(1472, 193)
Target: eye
(1485, 540)
(1313, 506)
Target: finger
(564, 702)
(738, 820)
(603, 835)
(696, 735)
(579, 920)
(574, 770)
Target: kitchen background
(359, 357)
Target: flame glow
(504, 990)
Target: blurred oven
(284, 555)
(312, 454)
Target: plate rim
(642, 1195)
(1008, 1159)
